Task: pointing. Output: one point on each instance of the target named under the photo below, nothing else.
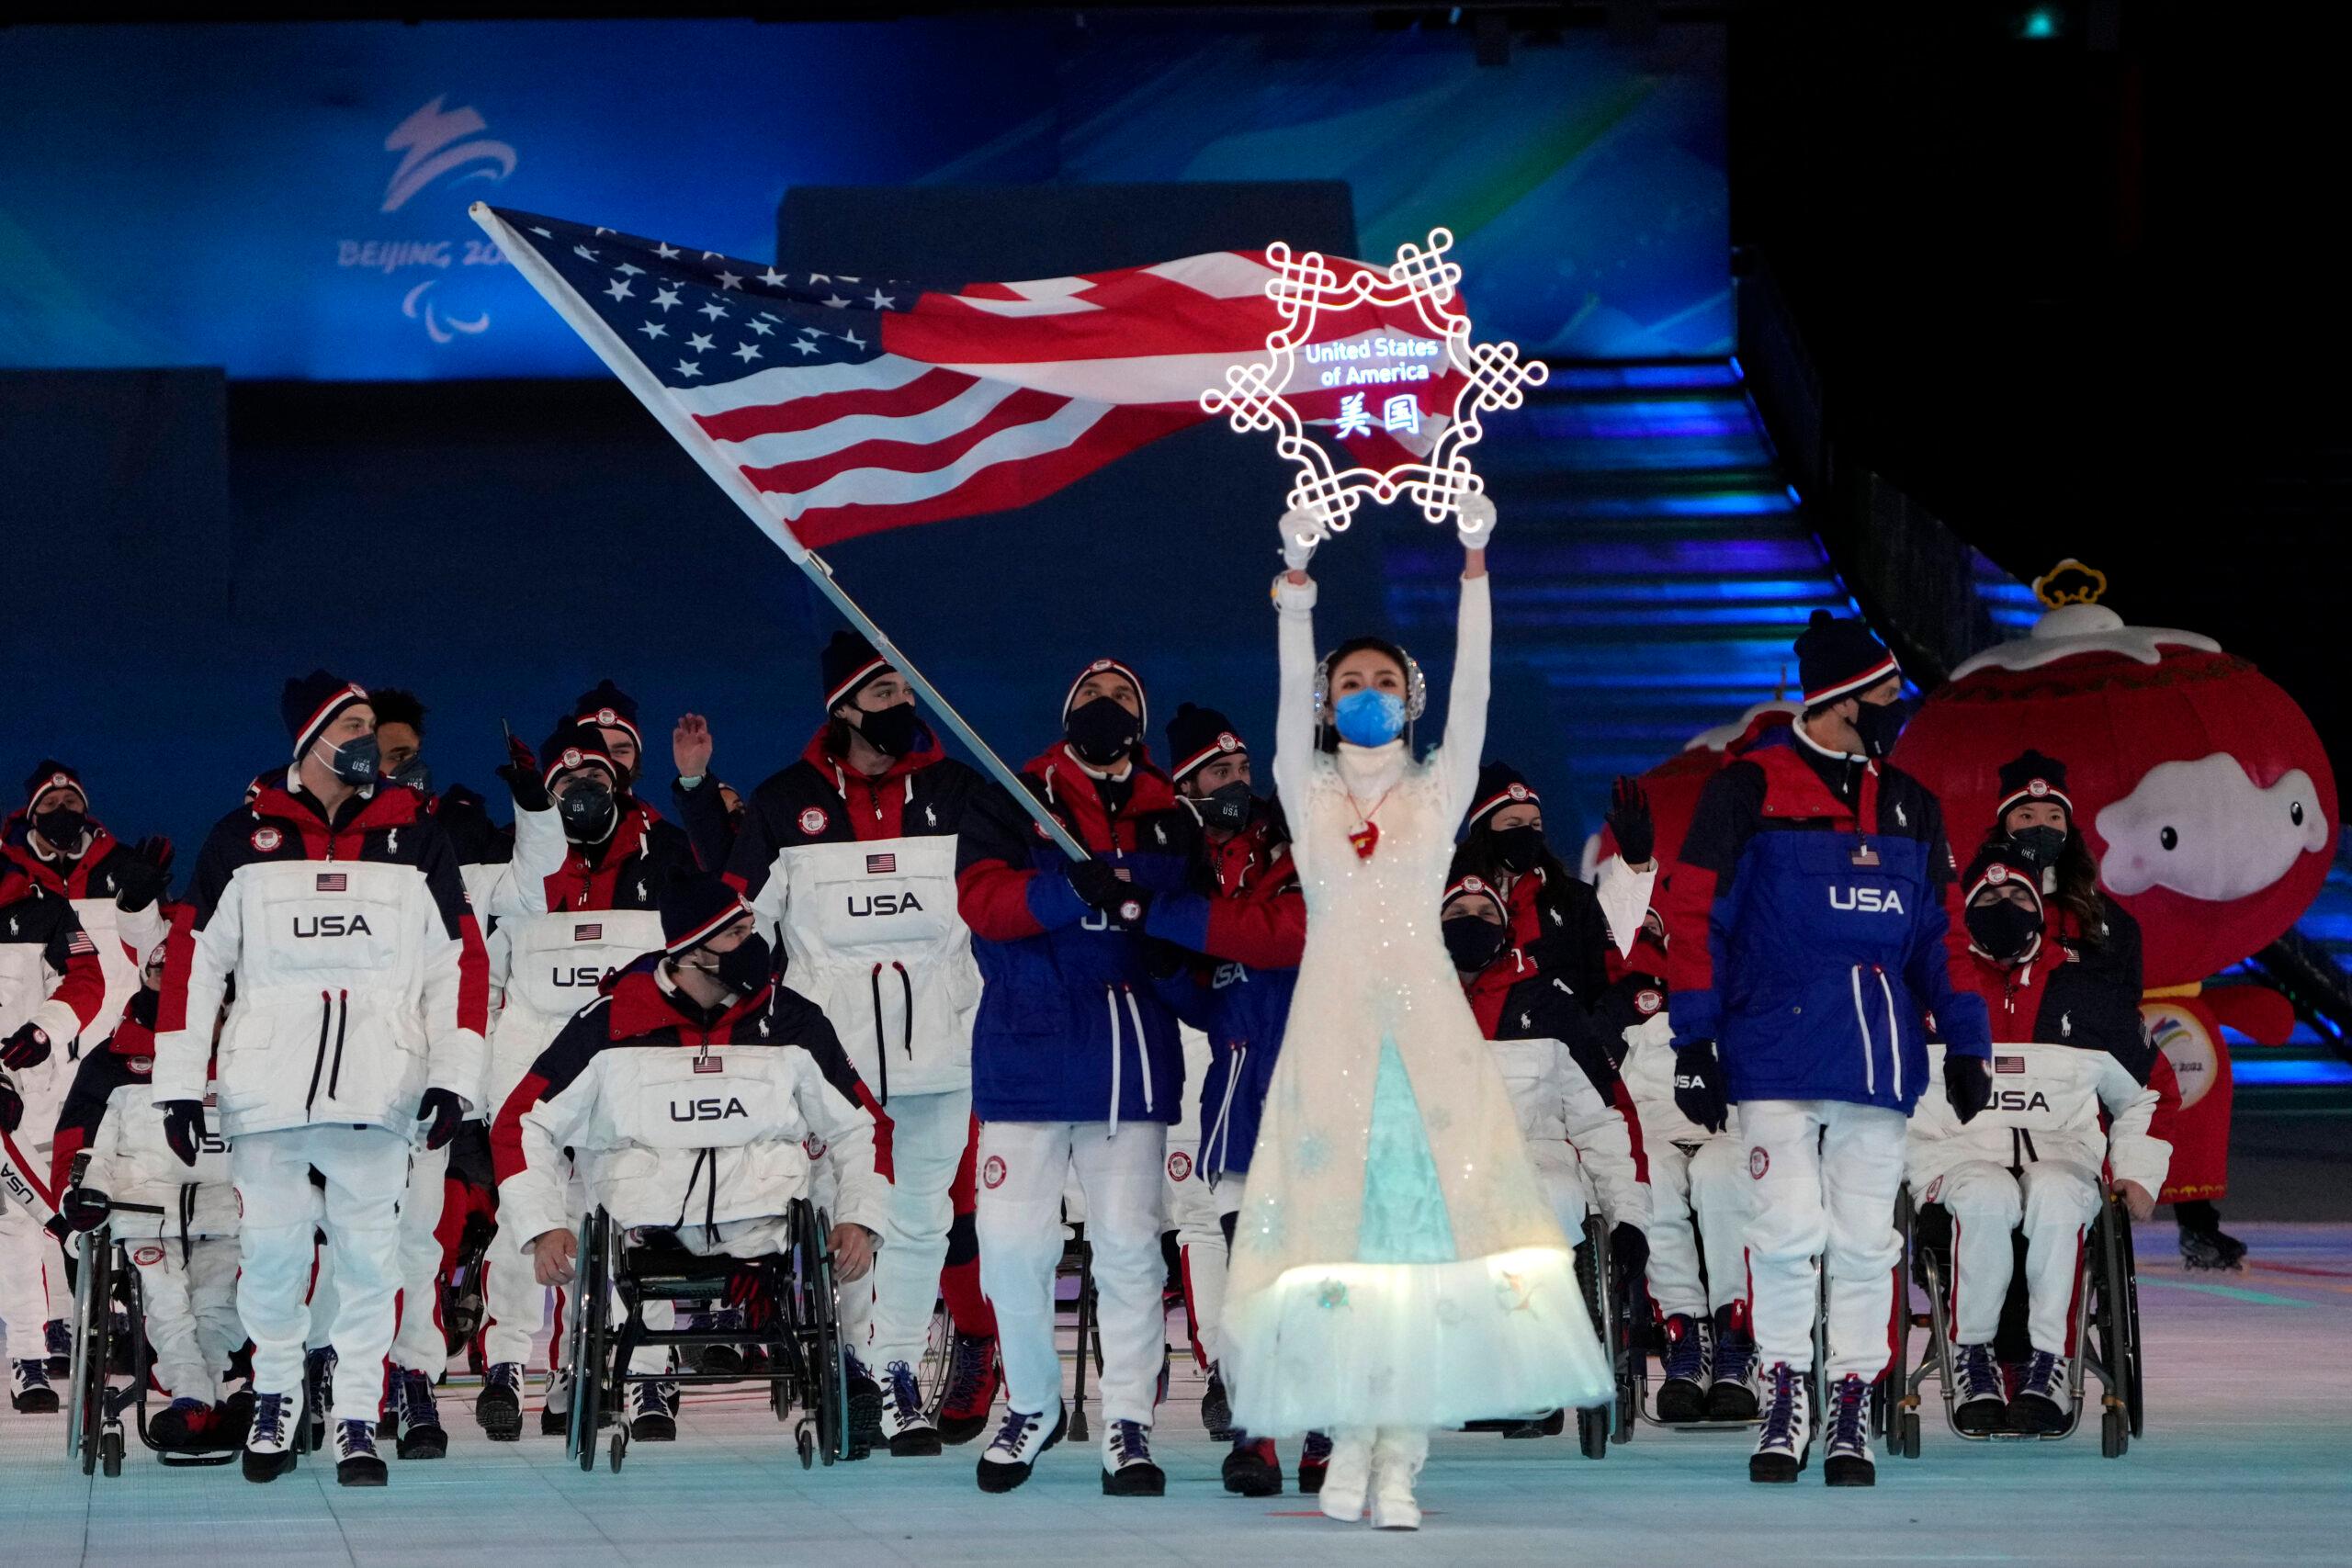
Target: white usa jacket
(1649, 1078)
(111, 1112)
(2046, 1102)
(677, 1117)
(858, 876)
(360, 977)
(1565, 1122)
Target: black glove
(1629, 820)
(183, 1128)
(141, 876)
(1163, 960)
(12, 1105)
(28, 1047)
(1698, 1086)
(83, 1208)
(1968, 1080)
(1628, 1250)
(445, 1110)
(1098, 883)
(1176, 832)
(521, 776)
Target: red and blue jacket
(1808, 923)
(1251, 928)
(1071, 1026)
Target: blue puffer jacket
(1809, 934)
(1071, 1026)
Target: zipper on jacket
(881, 1052)
(1893, 1034)
(341, 1022)
(909, 987)
(318, 1062)
(1861, 1021)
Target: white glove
(1301, 534)
(1474, 523)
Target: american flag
(835, 406)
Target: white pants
(1706, 1184)
(1022, 1166)
(886, 1318)
(419, 1346)
(28, 1258)
(1196, 1210)
(1824, 1175)
(191, 1310)
(2055, 1201)
(515, 1304)
(366, 1171)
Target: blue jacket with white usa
(1808, 921)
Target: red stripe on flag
(1023, 406)
(1002, 486)
(1145, 316)
(920, 395)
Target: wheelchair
(2106, 1331)
(802, 1339)
(107, 1283)
(1610, 1303)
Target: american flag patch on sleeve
(81, 943)
(881, 866)
(2009, 1064)
(333, 882)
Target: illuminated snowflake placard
(1351, 381)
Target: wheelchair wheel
(93, 1304)
(804, 1442)
(591, 1313)
(1592, 1432)
(1906, 1442)
(110, 1452)
(819, 1331)
(619, 1449)
(2114, 1433)
(2134, 1405)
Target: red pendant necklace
(1366, 838)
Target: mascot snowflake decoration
(1416, 300)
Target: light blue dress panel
(1404, 1209)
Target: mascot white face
(2207, 829)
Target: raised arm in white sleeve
(1294, 706)
(1465, 703)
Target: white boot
(1346, 1478)
(1397, 1461)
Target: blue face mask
(1369, 718)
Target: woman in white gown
(1395, 1266)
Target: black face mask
(589, 812)
(1519, 850)
(62, 828)
(353, 761)
(894, 731)
(411, 775)
(1473, 943)
(1101, 732)
(745, 967)
(1226, 809)
(2004, 930)
(1880, 725)
(2038, 846)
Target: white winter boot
(1347, 1477)
(1396, 1460)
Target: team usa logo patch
(813, 819)
(142, 1064)
(813, 1146)
(1759, 1162)
(266, 840)
(1179, 1166)
(2038, 788)
(608, 718)
(1647, 1001)
(571, 757)
(1227, 741)
(1997, 873)
(147, 1257)
(992, 1172)
(1517, 792)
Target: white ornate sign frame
(1494, 378)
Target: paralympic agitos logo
(440, 147)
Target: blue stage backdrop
(289, 201)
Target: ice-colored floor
(2248, 1460)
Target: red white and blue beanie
(1476, 888)
(1998, 865)
(576, 745)
(1197, 736)
(1501, 784)
(696, 907)
(1111, 666)
(848, 663)
(2029, 778)
(608, 707)
(310, 702)
(1836, 659)
(53, 775)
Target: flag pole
(754, 505)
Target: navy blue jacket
(1822, 965)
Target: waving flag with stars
(832, 406)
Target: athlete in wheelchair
(1578, 1126)
(696, 1098)
(2067, 1043)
